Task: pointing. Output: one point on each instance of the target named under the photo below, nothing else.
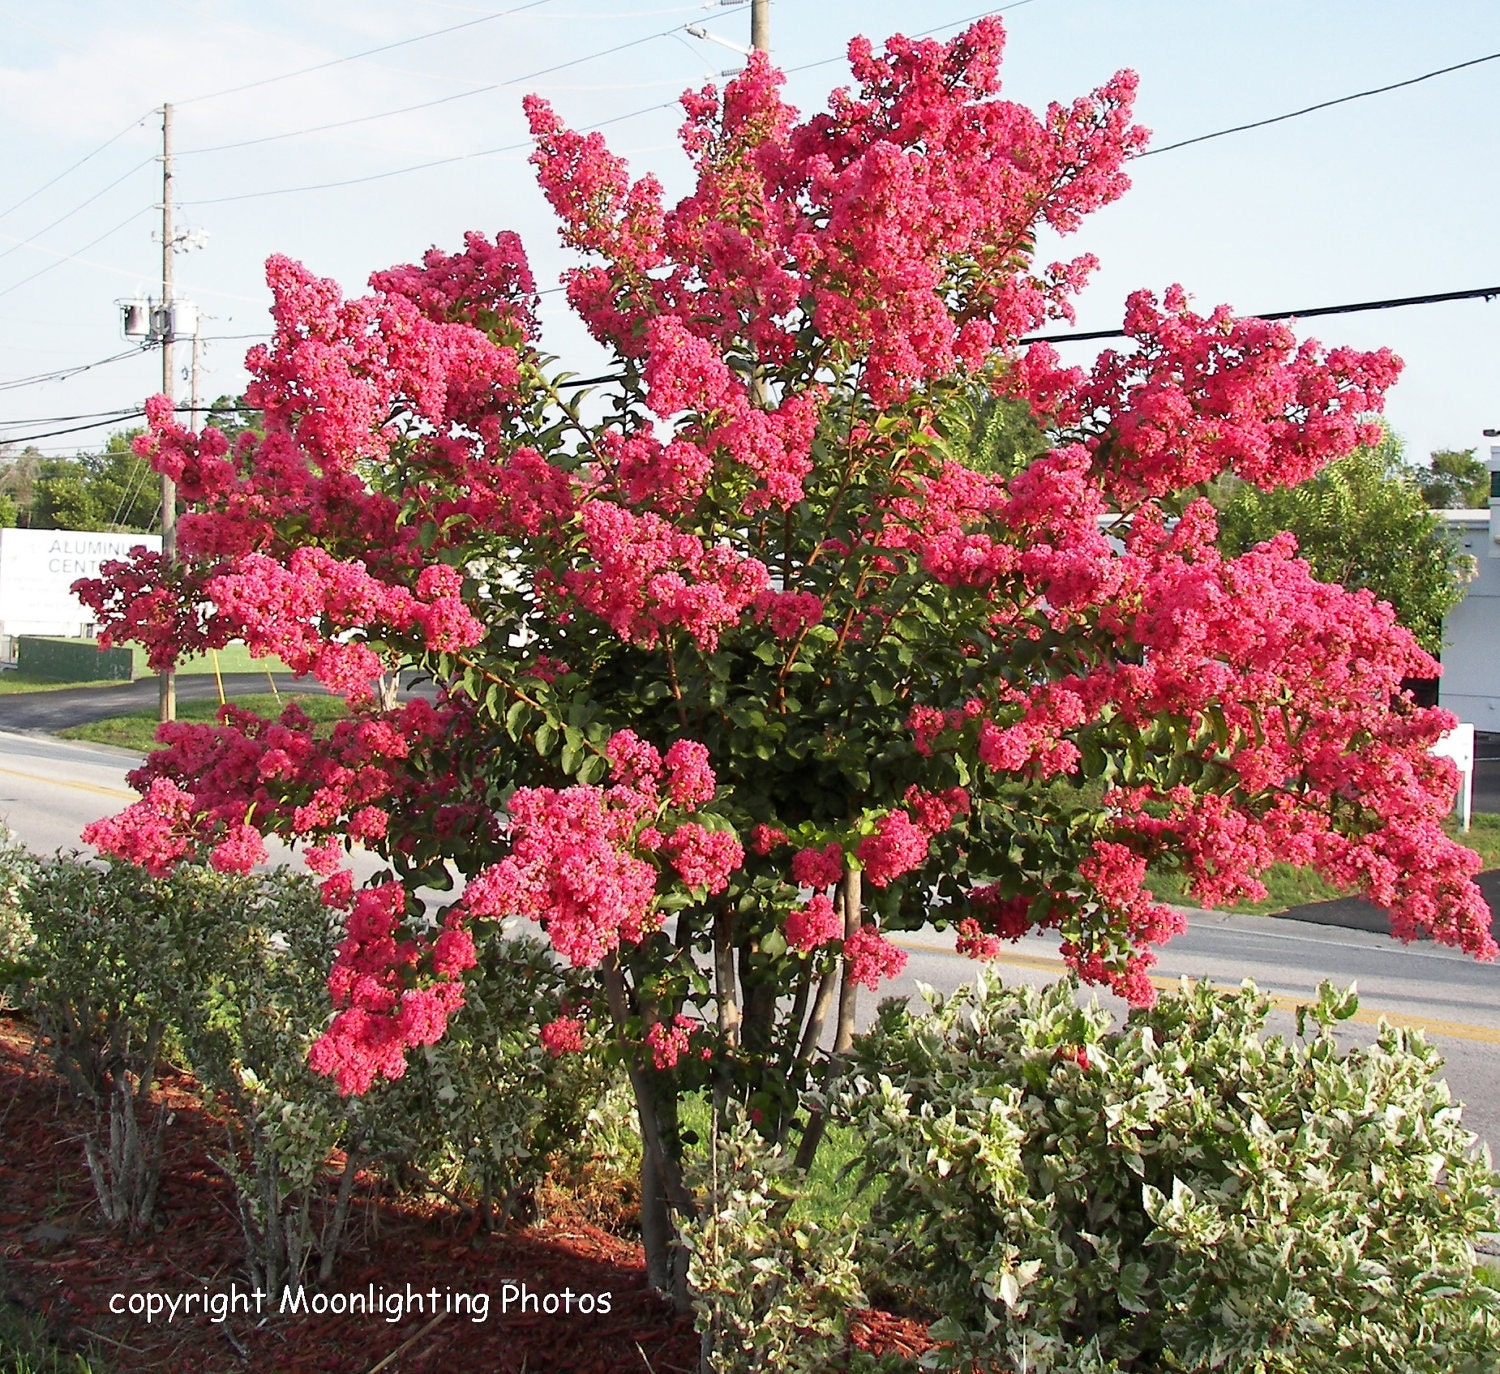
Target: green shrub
(484, 1110)
(230, 971)
(15, 925)
(769, 1291)
(1177, 1194)
(112, 950)
(246, 1025)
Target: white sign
(37, 568)
(1458, 745)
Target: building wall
(1470, 685)
(37, 567)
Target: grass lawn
(830, 1196)
(137, 730)
(1287, 886)
(13, 682)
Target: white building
(37, 568)
(1470, 685)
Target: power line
(419, 166)
(1477, 293)
(809, 66)
(75, 257)
(421, 105)
(27, 199)
(75, 429)
(116, 417)
(63, 374)
(64, 419)
(1322, 105)
(30, 243)
(355, 57)
(1312, 312)
(523, 146)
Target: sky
(288, 142)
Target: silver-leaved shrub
(15, 925)
(1180, 1193)
(770, 1290)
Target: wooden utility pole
(760, 25)
(167, 696)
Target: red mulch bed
(59, 1262)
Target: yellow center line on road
(93, 787)
(1458, 1030)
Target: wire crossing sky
(1319, 155)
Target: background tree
(1361, 522)
(738, 676)
(17, 474)
(112, 490)
(1458, 481)
(232, 417)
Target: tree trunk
(850, 893)
(663, 1193)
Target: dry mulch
(60, 1264)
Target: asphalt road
(50, 789)
(53, 711)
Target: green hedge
(81, 660)
(77, 660)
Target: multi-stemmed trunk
(749, 1033)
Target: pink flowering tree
(743, 668)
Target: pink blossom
(563, 1035)
(818, 868)
(670, 1042)
(896, 847)
(871, 957)
(704, 858)
(812, 925)
(690, 778)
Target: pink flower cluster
(1202, 395)
(382, 1014)
(206, 782)
(575, 861)
(670, 1041)
(647, 577)
(564, 1035)
(808, 927)
(871, 957)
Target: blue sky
(1389, 196)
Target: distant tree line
(111, 489)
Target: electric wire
(114, 417)
(46, 185)
(1321, 105)
(60, 258)
(64, 373)
(65, 419)
(122, 416)
(423, 104)
(75, 429)
(46, 228)
(1487, 293)
(416, 167)
(664, 105)
(355, 57)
